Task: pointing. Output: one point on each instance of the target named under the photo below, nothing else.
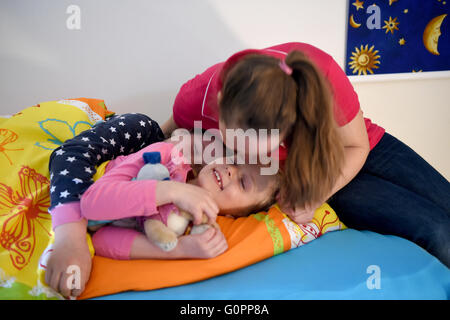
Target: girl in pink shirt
(328, 150)
(117, 196)
(299, 89)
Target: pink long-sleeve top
(115, 195)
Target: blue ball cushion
(347, 264)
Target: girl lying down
(226, 189)
(72, 167)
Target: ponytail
(316, 153)
(260, 92)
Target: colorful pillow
(250, 239)
(26, 142)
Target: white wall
(136, 54)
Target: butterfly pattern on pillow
(26, 209)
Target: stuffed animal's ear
(152, 157)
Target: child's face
(237, 189)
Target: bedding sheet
(26, 142)
(250, 240)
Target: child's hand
(70, 249)
(208, 244)
(301, 215)
(195, 200)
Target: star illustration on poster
(397, 36)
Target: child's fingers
(198, 215)
(48, 276)
(210, 207)
(64, 287)
(217, 239)
(208, 235)
(301, 217)
(54, 281)
(207, 210)
(76, 292)
(221, 248)
(211, 213)
(288, 210)
(211, 203)
(218, 244)
(84, 279)
(214, 206)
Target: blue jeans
(397, 192)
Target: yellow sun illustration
(391, 25)
(392, 1)
(364, 59)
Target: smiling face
(237, 189)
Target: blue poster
(397, 36)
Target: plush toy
(166, 236)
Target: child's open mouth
(218, 178)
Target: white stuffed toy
(166, 236)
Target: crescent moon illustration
(353, 22)
(432, 33)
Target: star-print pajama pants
(73, 164)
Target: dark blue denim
(398, 193)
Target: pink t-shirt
(197, 98)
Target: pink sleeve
(66, 213)
(114, 196)
(346, 102)
(114, 242)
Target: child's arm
(70, 248)
(116, 196)
(124, 244)
(168, 127)
(105, 141)
(73, 165)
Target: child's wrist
(75, 231)
(165, 192)
(177, 253)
